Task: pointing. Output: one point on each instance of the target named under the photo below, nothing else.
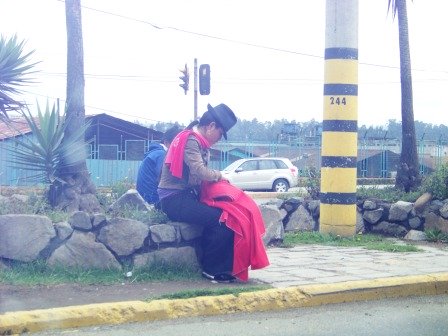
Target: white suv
(274, 173)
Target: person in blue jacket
(149, 172)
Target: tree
(14, 73)
(408, 175)
(45, 152)
(75, 189)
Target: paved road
(414, 316)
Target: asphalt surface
(303, 276)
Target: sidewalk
(319, 264)
(306, 275)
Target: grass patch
(291, 194)
(164, 272)
(387, 194)
(436, 236)
(39, 273)
(368, 241)
(210, 292)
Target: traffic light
(204, 79)
(185, 78)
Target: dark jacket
(149, 173)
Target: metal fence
(111, 166)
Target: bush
(311, 182)
(388, 194)
(120, 188)
(108, 195)
(151, 216)
(375, 181)
(437, 183)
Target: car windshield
(233, 165)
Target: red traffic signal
(204, 79)
(185, 79)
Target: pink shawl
(175, 155)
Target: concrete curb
(270, 299)
(266, 194)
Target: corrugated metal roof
(16, 126)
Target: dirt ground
(16, 298)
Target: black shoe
(220, 278)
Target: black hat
(223, 116)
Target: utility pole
(340, 119)
(195, 89)
(201, 83)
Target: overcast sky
(266, 57)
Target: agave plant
(48, 152)
(14, 72)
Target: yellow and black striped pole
(340, 119)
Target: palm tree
(75, 191)
(14, 73)
(408, 175)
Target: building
(111, 138)
(115, 148)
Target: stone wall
(107, 241)
(399, 219)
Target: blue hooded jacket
(149, 173)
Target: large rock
(164, 233)
(123, 236)
(63, 229)
(81, 250)
(80, 220)
(89, 203)
(434, 206)
(415, 235)
(130, 200)
(399, 211)
(188, 231)
(422, 201)
(415, 222)
(98, 219)
(444, 211)
(360, 227)
(369, 205)
(182, 256)
(272, 218)
(23, 237)
(432, 221)
(300, 220)
(390, 229)
(291, 204)
(314, 208)
(373, 216)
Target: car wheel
(280, 185)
